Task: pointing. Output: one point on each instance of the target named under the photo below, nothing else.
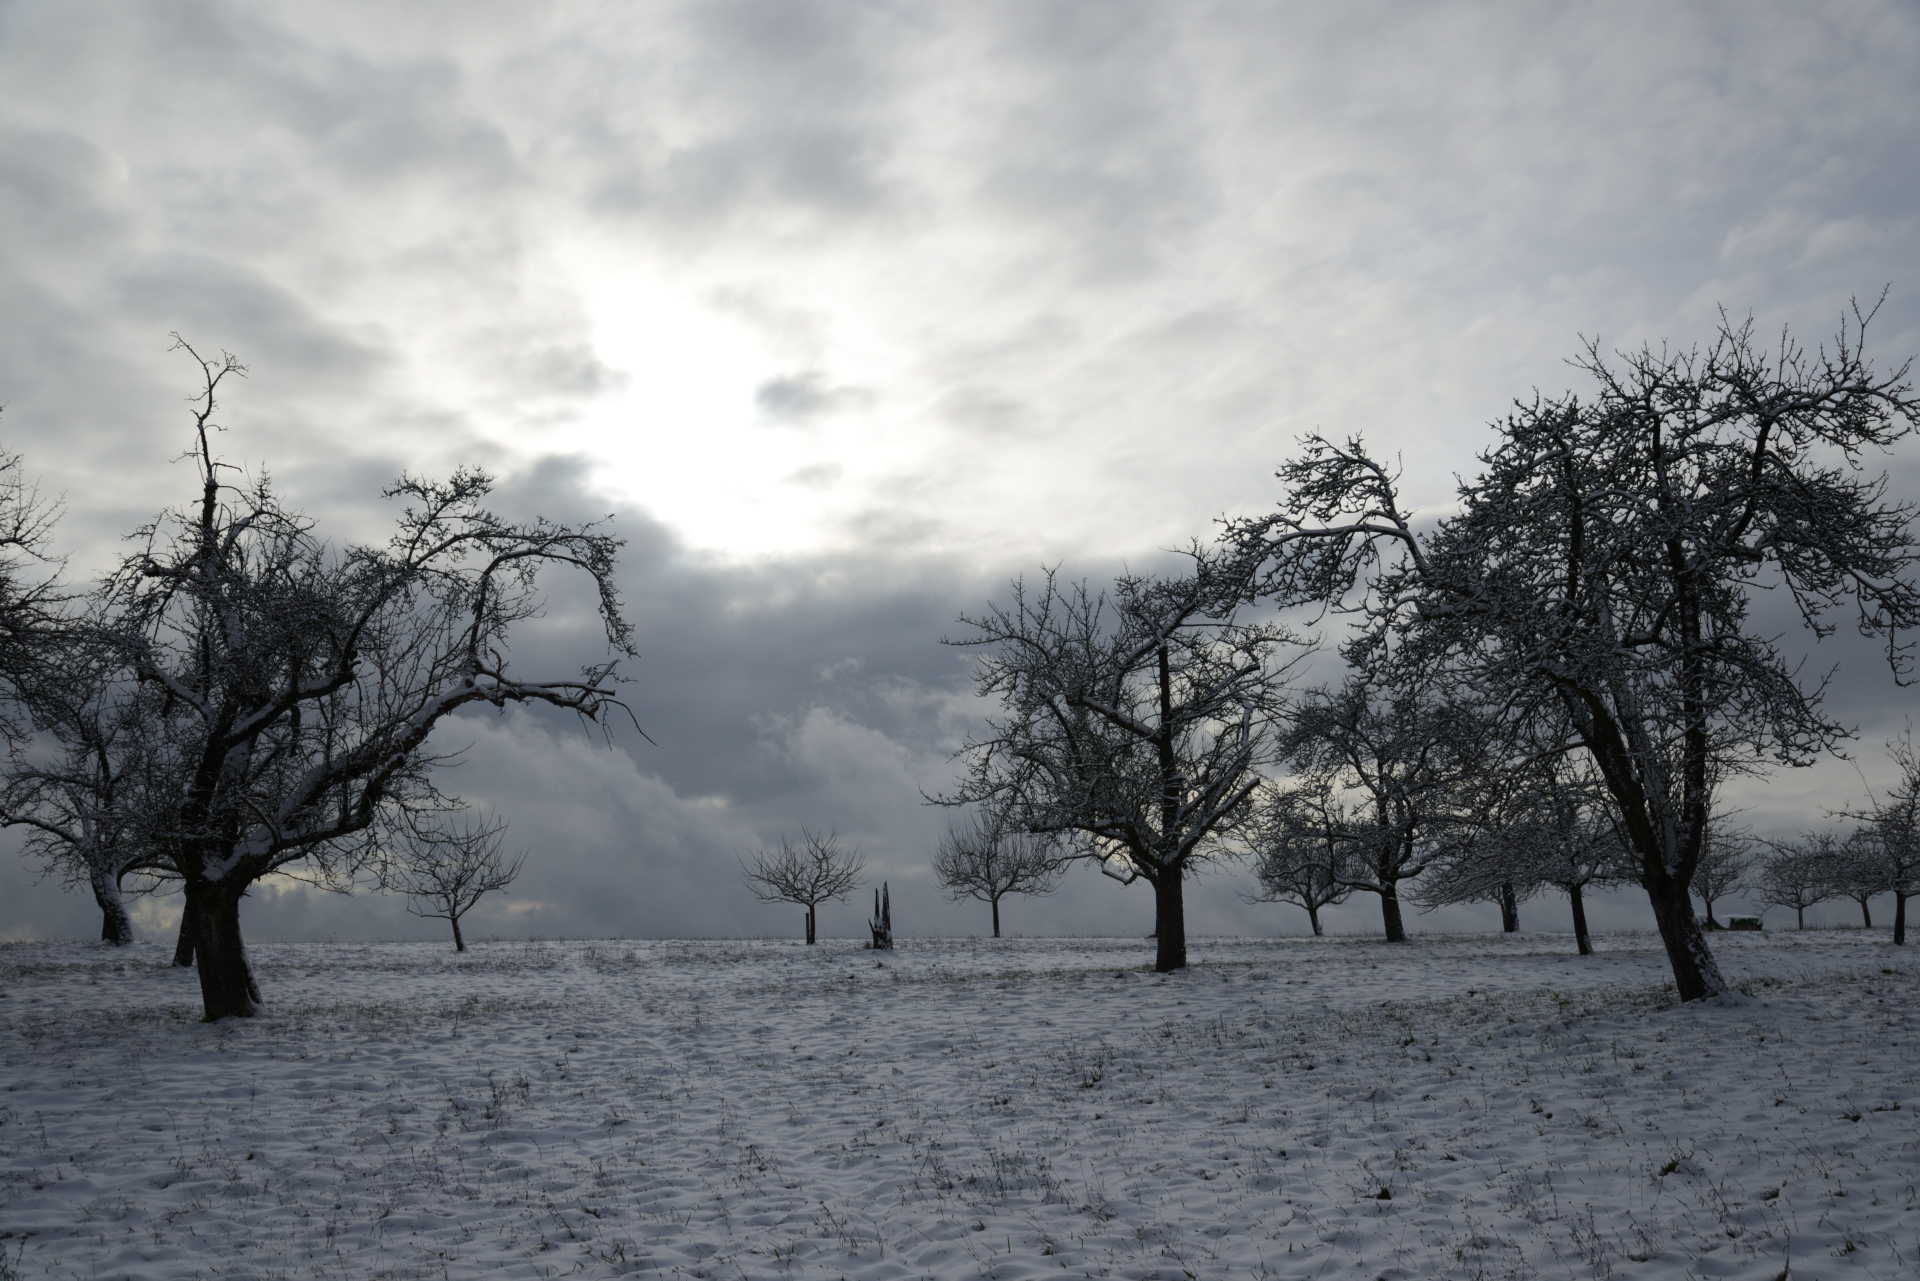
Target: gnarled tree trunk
(183, 947)
(1695, 973)
(227, 986)
(1169, 923)
(115, 925)
(1581, 939)
(1390, 912)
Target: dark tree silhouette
(300, 682)
(813, 871)
(981, 858)
(1300, 838)
(445, 868)
(1798, 874)
(1134, 726)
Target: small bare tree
(1799, 873)
(981, 858)
(1725, 866)
(1300, 840)
(1887, 853)
(806, 874)
(446, 868)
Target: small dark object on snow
(882, 922)
(1385, 1194)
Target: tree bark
(809, 923)
(1800, 916)
(116, 926)
(183, 948)
(1899, 917)
(227, 987)
(996, 918)
(1313, 914)
(1711, 923)
(1390, 913)
(1866, 915)
(459, 944)
(1695, 973)
(1509, 909)
(1169, 923)
(1581, 938)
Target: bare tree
(1404, 754)
(1859, 872)
(1725, 865)
(1538, 821)
(1133, 726)
(1800, 873)
(981, 858)
(1300, 839)
(813, 871)
(1887, 852)
(1602, 562)
(300, 682)
(85, 789)
(445, 868)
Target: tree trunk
(1313, 914)
(1800, 915)
(1390, 913)
(1509, 909)
(227, 986)
(809, 923)
(1695, 973)
(1899, 917)
(183, 948)
(1581, 939)
(1866, 915)
(1169, 923)
(996, 918)
(1711, 923)
(115, 925)
(459, 944)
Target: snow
(1453, 1107)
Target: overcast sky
(852, 311)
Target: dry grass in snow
(1478, 1107)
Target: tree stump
(881, 922)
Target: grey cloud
(804, 396)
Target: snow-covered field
(1455, 1107)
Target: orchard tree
(300, 681)
(1888, 850)
(982, 858)
(1403, 753)
(1300, 839)
(1725, 866)
(1603, 560)
(89, 789)
(1539, 821)
(1860, 872)
(1133, 725)
(1798, 874)
(446, 867)
(805, 873)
